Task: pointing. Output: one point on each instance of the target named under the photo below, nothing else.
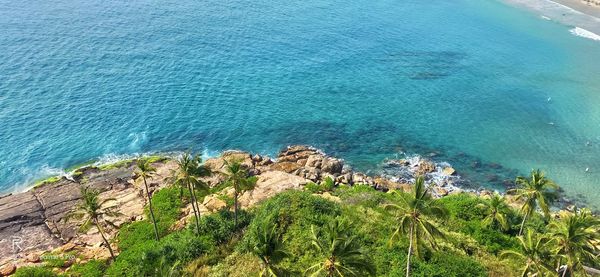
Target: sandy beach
(572, 13)
(580, 6)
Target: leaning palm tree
(238, 178)
(145, 170)
(94, 211)
(534, 250)
(535, 192)
(343, 255)
(189, 169)
(495, 210)
(269, 248)
(575, 235)
(414, 213)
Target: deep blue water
(364, 80)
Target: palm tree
(237, 177)
(575, 236)
(144, 171)
(534, 250)
(189, 169)
(93, 211)
(269, 248)
(413, 214)
(342, 253)
(495, 209)
(536, 191)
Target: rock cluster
(36, 219)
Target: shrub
(463, 206)
(144, 258)
(135, 233)
(33, 271)
(93, 268)
(294, 212)
(327, 185)
(220, 226)
(166, 204)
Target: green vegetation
(341, 253)
(360, 232)
(115, 165)
(32, 271)
(49, 180)
(327, 185)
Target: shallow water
(364, 80)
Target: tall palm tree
(575, 235)
(238, 178)
(269, 248)
(145, 170)
(189, 169)
(536, 191)
(413, 214)
(495, 210)
(534, 250)
(342, 253)
(94, 211)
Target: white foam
(585, 33)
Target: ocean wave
(47, 171)
(404, 170)
(585, 33)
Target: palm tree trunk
(151, 210)
(235, 209)
(197, 206)
(523, 222)
(410, 246)
(112, 254)
(194, 208)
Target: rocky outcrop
(311, 164)
(269, 184)
(37, 220)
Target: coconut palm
(342, 253)
(189, 169)
(495, 210)
(534, 250)
(237, 177)
(269, 248)
(575, 235)
(94, 211)
(144, 171)
(414, 213)
(536, 192)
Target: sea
(488, 87)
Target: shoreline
(38, 216)
(441, 174)
(581, 7)
(571, 13)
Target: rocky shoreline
(35, 222)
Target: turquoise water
(466, 80)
